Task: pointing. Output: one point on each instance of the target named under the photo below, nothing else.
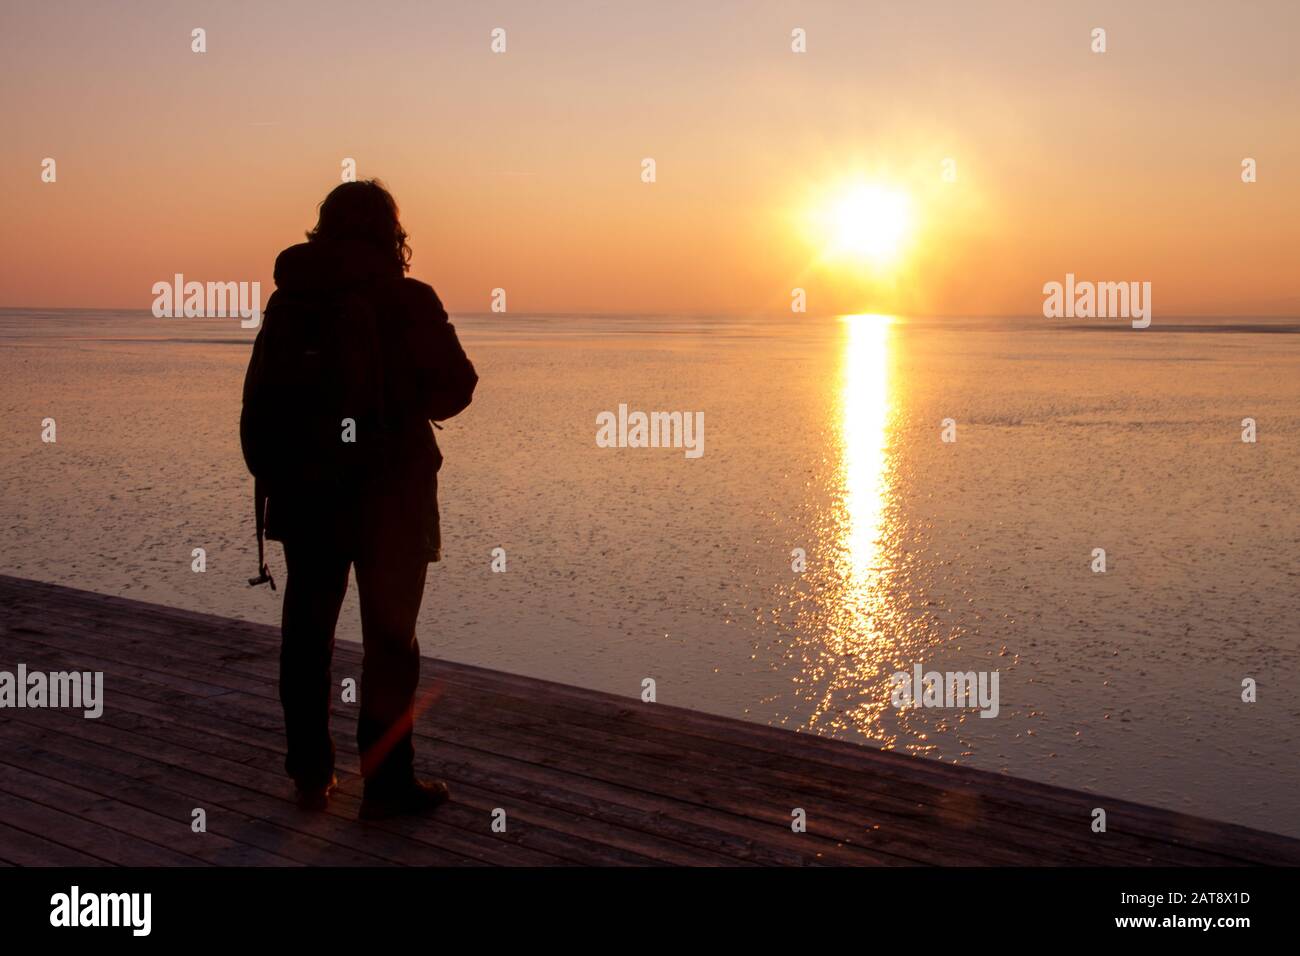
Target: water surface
(821, 435)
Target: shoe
(416, 797)
(316, 798)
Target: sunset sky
(522, 170)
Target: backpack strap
(259, 511)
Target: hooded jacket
(427, 377)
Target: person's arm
(253, 408)
(445, 377)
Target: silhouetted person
(352, 364)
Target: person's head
(364, 211)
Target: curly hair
(367, 211)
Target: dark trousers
(391, 588)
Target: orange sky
(522, 170)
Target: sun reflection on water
(849, 679)
(864, 419)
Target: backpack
(312, 425)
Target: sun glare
(869, 222)
(861, 223)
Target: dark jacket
(426, 376)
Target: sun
(861, 223)
(869, 222)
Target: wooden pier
(191, 720)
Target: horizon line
(714, 313)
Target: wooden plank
(70, 830)
(1064, 808)
(272, 722)
(1001, 842)
(229, 714)
(20, 848)
(823, 847)
(538, 835)
(167, 831)
(433, 839)
(115, 776)
(334, 830)
(545, 789)
(586, 776)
